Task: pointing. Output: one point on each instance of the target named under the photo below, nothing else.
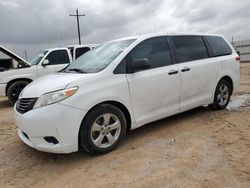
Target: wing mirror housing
(139, 64)
(45, 62)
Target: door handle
(185, 69)
(173, 72)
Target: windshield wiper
(77, 70)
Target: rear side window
(58, 57)
(81, 51)
(155, 49)
(189, 48)
(218, 46)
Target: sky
(36, 25)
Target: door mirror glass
(140, 64)
(45, 62)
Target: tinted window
(58, 57)
(156, 50)
(189, 48)
(81, 51)
(218, 46)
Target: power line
(77, 15)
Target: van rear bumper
(2, 90)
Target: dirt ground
(199, 148)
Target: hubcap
(16, 91)
(105, 130)
(223, 95)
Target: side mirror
(238, 52)
(45, 62)
(140, 64)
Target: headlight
(54, 97)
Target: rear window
(81, 51)
(218, 46)
(189, 48)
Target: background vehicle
(47, 61)
(123, 85)
(77, 50)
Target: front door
(58, 59)
(155, 92)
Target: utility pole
(77, 15)
(26, 56)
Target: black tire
(86, 140)
(15, 89)
(217, 105)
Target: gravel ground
(198, 148)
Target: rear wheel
(102, 129)
(15, 89)
(222, 95)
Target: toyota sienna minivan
(122, 85)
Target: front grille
(25, 104)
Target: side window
(218, 45)
(156, 50)
(58, 57)
(189, 48)
(81, 51)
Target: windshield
(38, 57)
(98, 59)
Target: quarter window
(156, 50)
(189, 48)
(218, 46)
(58, 57)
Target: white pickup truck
(13, 80)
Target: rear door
(198, 71)
(155, 92)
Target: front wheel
(102, 129)
(15, 89)
(222, 95)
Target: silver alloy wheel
(223, 95)
(105, 130)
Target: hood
(13, 55)
(49, 83)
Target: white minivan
(122, 85)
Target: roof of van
(149, 35)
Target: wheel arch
(229, 79)
(15, 80)
(117, 104)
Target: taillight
(237, 58)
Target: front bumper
(2, 90)
(57, 120)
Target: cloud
(34, 25)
